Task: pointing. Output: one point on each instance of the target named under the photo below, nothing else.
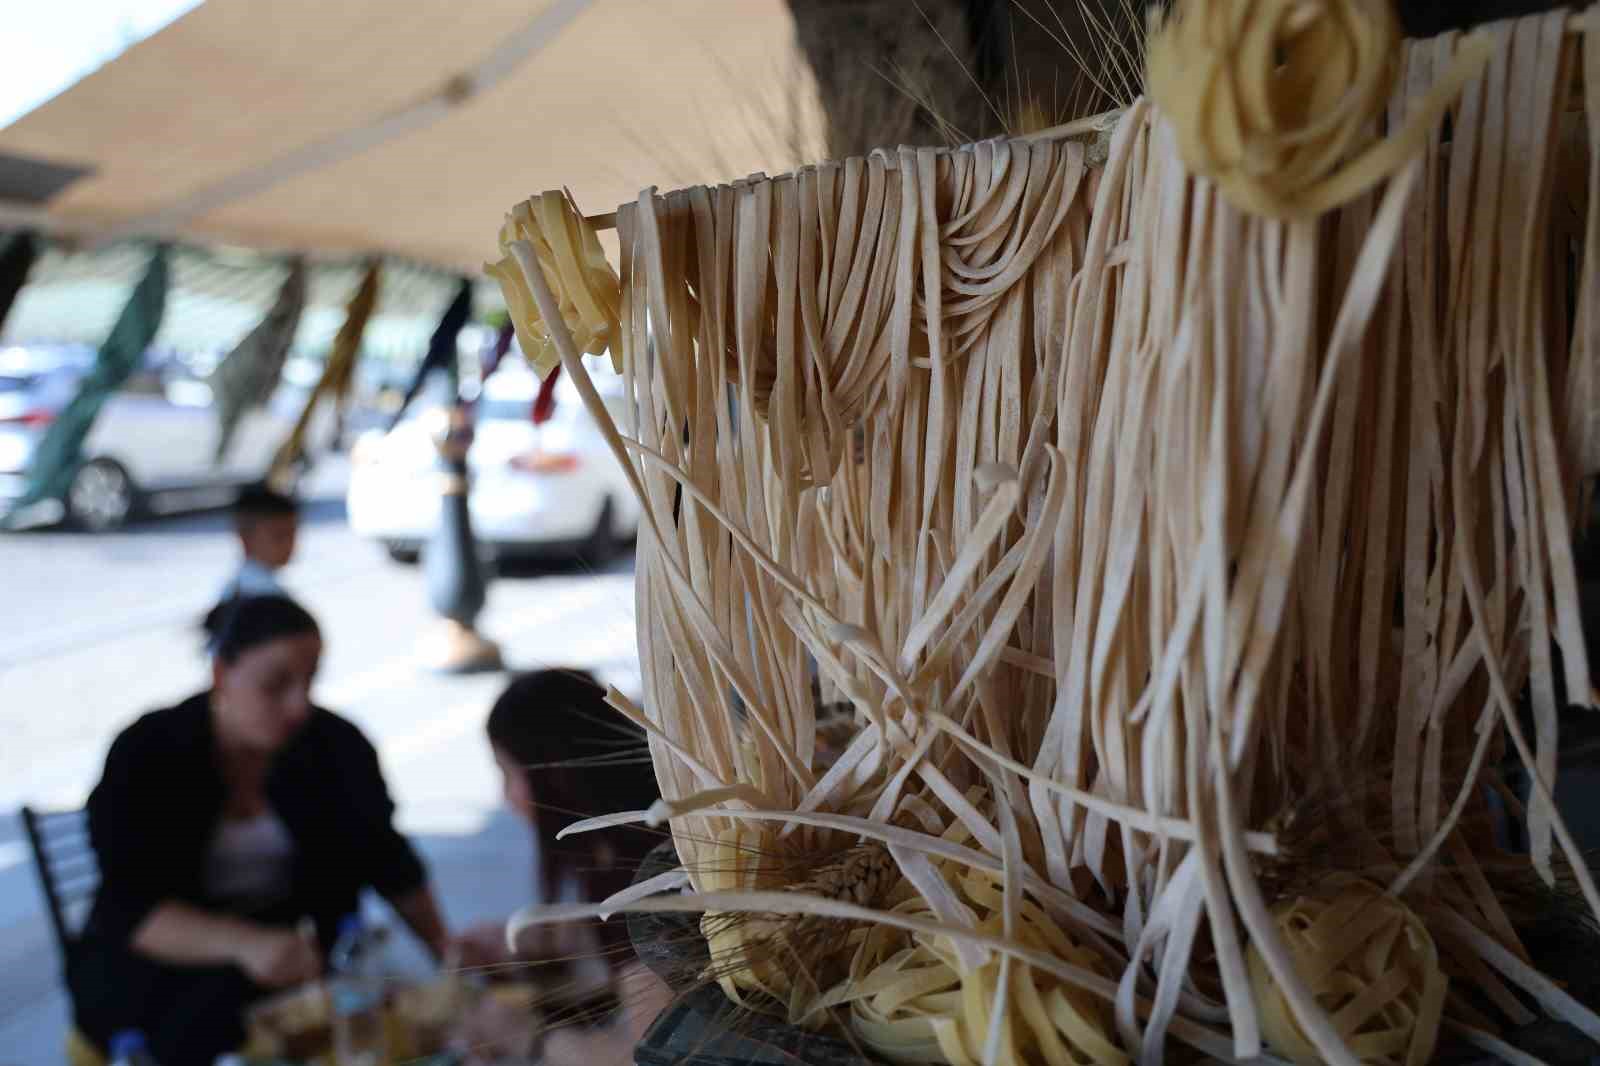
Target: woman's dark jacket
(157, 806)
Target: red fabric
(544, 405)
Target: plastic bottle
(356, 995)
(128, 1048)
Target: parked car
(541, 489)
(152, 446)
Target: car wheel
(403, 554)
(601, 546)
(102, 496)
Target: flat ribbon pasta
(1370, 962)
(911, 999)
(570, 254)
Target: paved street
(98, 629)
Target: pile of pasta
(1183, 522)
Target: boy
(267, 523)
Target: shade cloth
(56, 458)
(441, 354)
(247, 375)
(645, 92)
(17, 254)
(337, 373)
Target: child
(267, 523)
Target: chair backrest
(68, 871)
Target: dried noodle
(1181, 494)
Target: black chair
(68, 871)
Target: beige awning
(334, 127)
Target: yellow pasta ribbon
(911, 1001)
(1371, 964)
(569, 252)
(744, 962)
(1277, 100)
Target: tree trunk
(891, 72)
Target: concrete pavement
(99, 629)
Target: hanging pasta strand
(1176, 522)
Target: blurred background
(243, 240)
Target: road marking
(401, 670)
(464, 717)
(356, 687)
(75, 636)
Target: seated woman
(565, 755)
(227, 828)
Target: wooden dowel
(1093, 124)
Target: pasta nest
(913, 1000)
(569, 253)
(1369, 961)
(1279, 101)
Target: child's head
(266, 522)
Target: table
(296, 1027)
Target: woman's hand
(279, 958)
(482, 947)
(421, 913)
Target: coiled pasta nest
(1372, 965)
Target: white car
(152, 446)
(533, 489)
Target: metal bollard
(457, 587)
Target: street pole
(457, 587)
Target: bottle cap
(127, 1043)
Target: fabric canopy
(409, 129)
(216, 296)
(57, 457)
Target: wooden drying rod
(1067, 130)
(1576, 24)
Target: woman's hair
(240, 623)
(582, 759)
